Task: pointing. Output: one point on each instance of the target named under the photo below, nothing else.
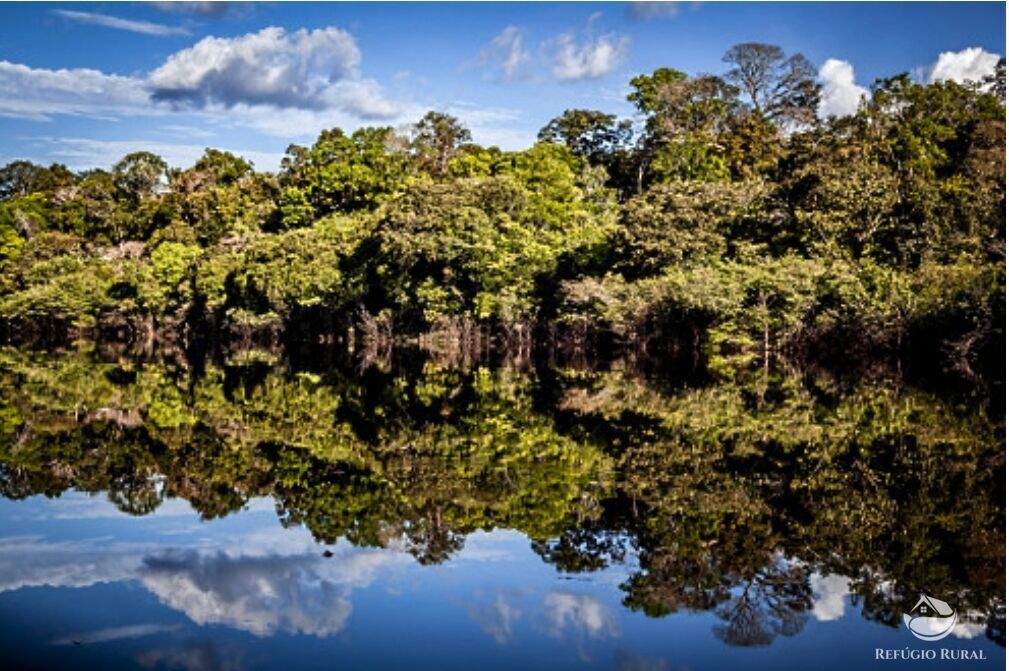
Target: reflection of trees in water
(772, 602)
(702, 487)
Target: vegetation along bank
(728, 217)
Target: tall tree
(600, 139)
(685, 118)
(436, 140)
(593, 135)
(339, 173)
(139, 174)
(781, 88)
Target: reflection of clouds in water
(970, 625)
(116, 634)
(629, 661)
(94, 507)
(829, 593)
(279, 582)
(198, 656)
(583, 612)
(496, 618)
(262, 595)
(33, 562)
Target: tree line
(727, 215)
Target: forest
(726, 218)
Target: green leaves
(739, 220)
(340, 174)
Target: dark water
(426, 514)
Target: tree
(647, 89)
(222, 167)
(940, 141)
(780, 88)
(686, 118)
(139, 174)
(340, 174)
(996, 81)
(18, 178)
(435, 140)
(595, 136)
(22, 178)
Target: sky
(85, 83)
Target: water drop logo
(931, 619)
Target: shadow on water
(733, 492)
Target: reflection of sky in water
(84, 586)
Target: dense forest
(727, 217)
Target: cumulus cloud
(304, 69)
(106, 21)
(251, 75)
(591, 58)
(972, 64)
(840, 95)
(39, 92)
(505, 53)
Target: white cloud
(971, 64)
(80, 153)
(106, 21)
(361, 97)
(653, 10)
(39, 93)
(505, 53)
(304, 69)
(840, 95)
(219, 82)
(206, 9)
(590, 59)
(829, 595)
(491, 126)
(569, 56)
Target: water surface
(416, 513)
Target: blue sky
(84, 83)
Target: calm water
(251, 514)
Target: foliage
(731, 216)
(731, 494)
